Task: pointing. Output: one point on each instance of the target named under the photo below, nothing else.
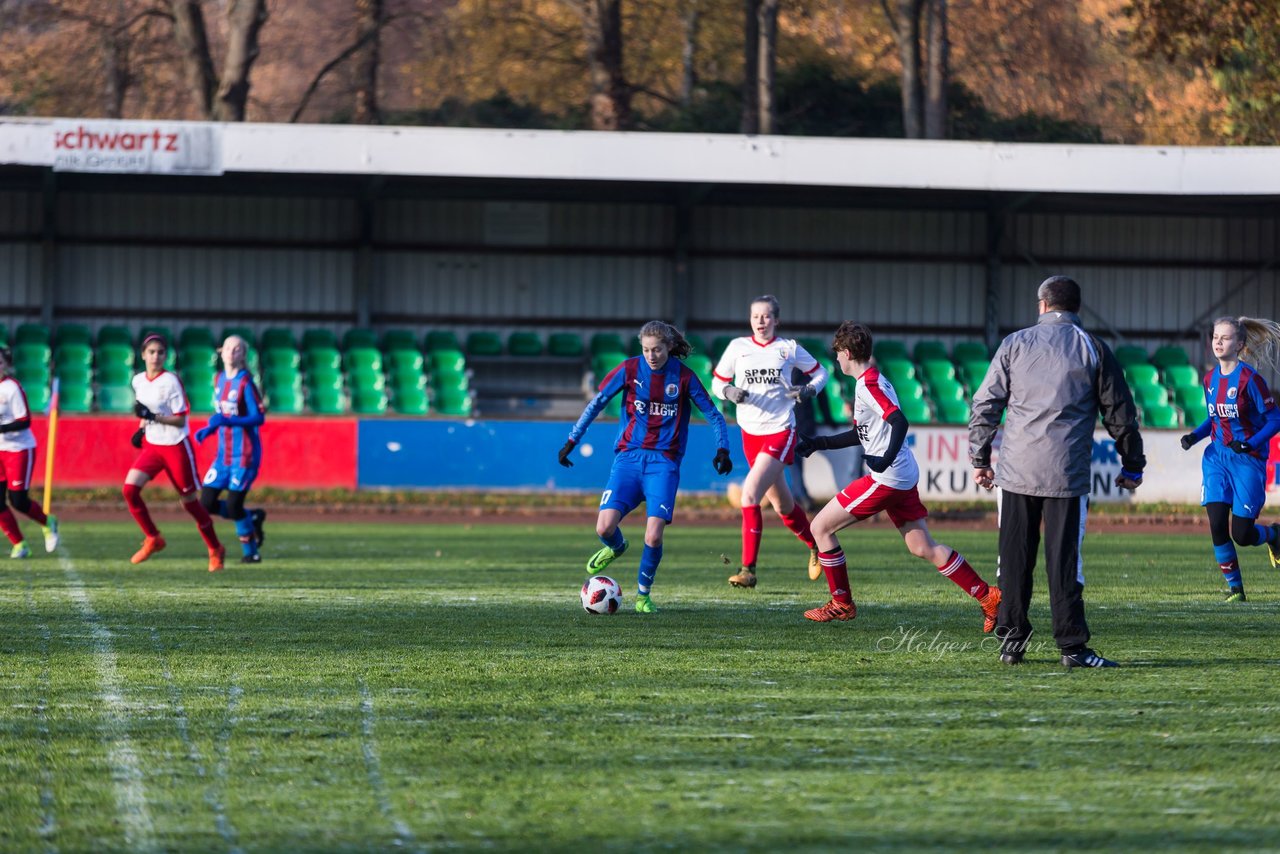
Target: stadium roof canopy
(702, 168)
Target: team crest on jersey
(672, 389)
(232, 395)
(1231, 393)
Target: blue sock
(615, 541)
(648, 567)
(1225, 554)
(244, 530)
(1266, 534)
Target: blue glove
(203, 433)
(217, 420)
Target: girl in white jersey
(754, 372)
(164, 446)
(17, 459)
(881, 428)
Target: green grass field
(417, 687)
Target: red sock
(36, 513)
(138, 507)
(204, 522)
(752, 522)
(837, 572)
(9, 525)
(958, 570)
(798, 523)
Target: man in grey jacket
(1051, 380)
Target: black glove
(876, 464)
(733, 394)
(808, 444)
(804, 392)
(722, 463)
(1129, 479)
(136, 439)
(1241, 447)
(141, 410)
(1187, 441)
(564, 454)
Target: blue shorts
(233, 478)
(646, 476)
(1236, 479)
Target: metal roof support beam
(49, 248)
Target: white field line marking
(222, 747)
(48, 816)
(126, 772)
(368, 744)
(211, 792)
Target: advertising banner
(141, 148)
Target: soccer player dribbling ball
(164, 446)
(754, 373)
(17, 459)
(1242, 418)
(881, 428)
(657, 390)
(236, 418)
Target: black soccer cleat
(253, 558)
(1085, 658)
(1011, 657)
(258, 517)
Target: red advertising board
(297, 453)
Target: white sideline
(404, 836)
(48, 816)
(126, 772)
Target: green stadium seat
(32, 333)
(953, 411)
(972, 373)
(32, 375)
(198, 356)
(927, 350)
(448, 360)
(31, 353)
(198, 337)
(1130, 354)
(73, 373)
(281, 357)
(970, 351)
(1160, 417)
(277, 338)
(404, 361)
(697, 344)
(524, 344)
(394, 340)
(915, 410)
(316, 338)
(322, 358)
(282, 376)
(410, 401)
(114, 335)
(484, 343)
(719, 345)
(1181, 376)
(365, 380)
(1191, 401)
(453, 402)
(700, 364)
(115, 398)
(565, 344)
(72, 333)
(937, 371)
(604, 362)
(896, 350)
(1148, 396)
(73, 353)
(75, 397)
(409, 382)
(369, 401)
(899, 371)
(4, 335)
(815, 346)
(284, 400)
(441, 339)
(114, 374)
(326, 400)
(37, 394)
(1142, 374)
(1169, 355)
(613, 409)
(363, 358)
(117, 352)
(358, 336)
(607, 342)
(948, 390)
(450, 381)
(836, 402)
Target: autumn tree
(925, 73)
(220, 96)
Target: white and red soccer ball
(601, 595)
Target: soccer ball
(601, 595)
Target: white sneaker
(51, 534)
(20, 551)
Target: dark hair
(854, 337)
(672, 337)
(1060, 292)
(154, 336)
(6, 354)
(771, 301)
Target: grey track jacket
(1052, 379)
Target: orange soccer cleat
(216, 557)
(150, 546)
(833, 610)
(990, 607)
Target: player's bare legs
(953, 565)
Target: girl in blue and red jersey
(236, 418)
(1242, 418)
(657, 390)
